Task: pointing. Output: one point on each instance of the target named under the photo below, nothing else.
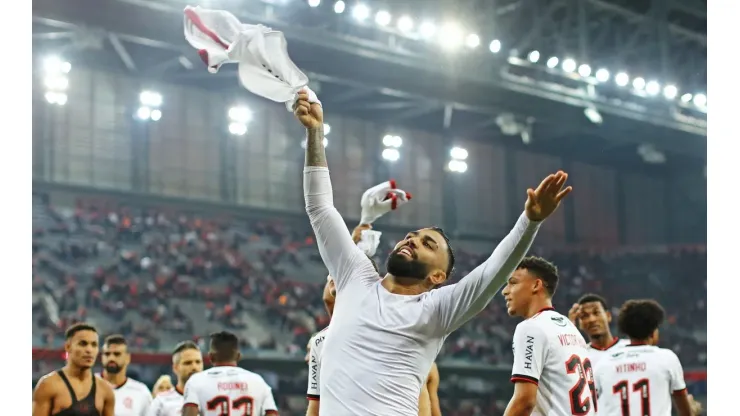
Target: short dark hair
(543, 270)
(185, 345)
(78, 327)
(592, 297)
(639, 318)
(225, 345)
(450, 253)
(115, 339)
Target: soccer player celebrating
(592, 316)
(132, 397)
(552, 372)
(74, 390)
(186, 361)
(225, 388)
(641, 378)
(386, 333)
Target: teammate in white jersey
(552, 371)
(387, 332)
(132, 397)
(641, 378)
(226, 389)
(187, 360)
(591, 314)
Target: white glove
(381, 199)
(369, 242)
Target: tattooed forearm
(315, 154)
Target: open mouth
(406, 252)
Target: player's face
(518, 292)
(329, 296)
(190, 362)
(115, 358)
(421, 255)
(594, 320)
(82, 349)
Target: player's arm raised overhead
(42, 397)
(340, 254)
(530, 351)
(458, 303)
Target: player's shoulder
(136, 384)
(548, 321)
(319, 337)
(622, 342)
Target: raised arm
(339, 253)
(458, 303)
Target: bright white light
(427, 30)
(405, 24)
(144, 113)
(325, 142)
(584, 70)
(56, 82)
(392, 141)
(622, 79)
(495, 46)
(458, 153)
(383, 18)
(327, 129)
(391, 155)
(687, 97)
(602, 75)
(652, 88)
(670, 92)
(450, 36)
(339, 7)
(156, 115)
(472, 41)
(700, 100)
(552, 62)
(58, 98)
(569, 65)
(150, 98)
(360, 12)
(457, 166)
(534, 56)
(54, 65)
(238, 129)
(638, 83)
(240, 114)
(314, 3)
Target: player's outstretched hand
(573, 313)
(310, 114)
(544, 200)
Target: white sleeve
(155, 407)
(314, 371)
(530, 351)
(677, 382)
(345, 261)
(458, 303)
(190, 395)
(268, 403)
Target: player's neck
(537, 306)
(180, 387)
(636, 342)
(116, 380)
(604, 340)
(75, 371)
(224, 364)
(404, 286)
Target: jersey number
(224, 405)
(641, 386)
(579, 406)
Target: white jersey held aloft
(551, 353)
(381, 346)
(229, 390)
(639, 380)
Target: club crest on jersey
(128, 403)
(559, 320)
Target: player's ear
(238, 356)
(608, 317)
(437, 277)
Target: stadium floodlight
(457, 166)
(670, 92)
(327, 129)
(584, 70)
(700, 100)
(495, 46)
(144, 113)
(155, 115)
(552, 62)
(339, 7)
(569, 65)
(638, 83)
(383, 18)
(602, 75)
(652, 88)
(391, 155)
(238, 129)
(56, 82)
(405, 24)
(240, 114)
(427, 30)
(392, 141)
(150, 98)
(534, 56)
(360, 12)
(472, 41)
(622, 79)
(458, 153)
(314, 3)
(57, 98)
(687, 97)
(450, 36)
(55, 65)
